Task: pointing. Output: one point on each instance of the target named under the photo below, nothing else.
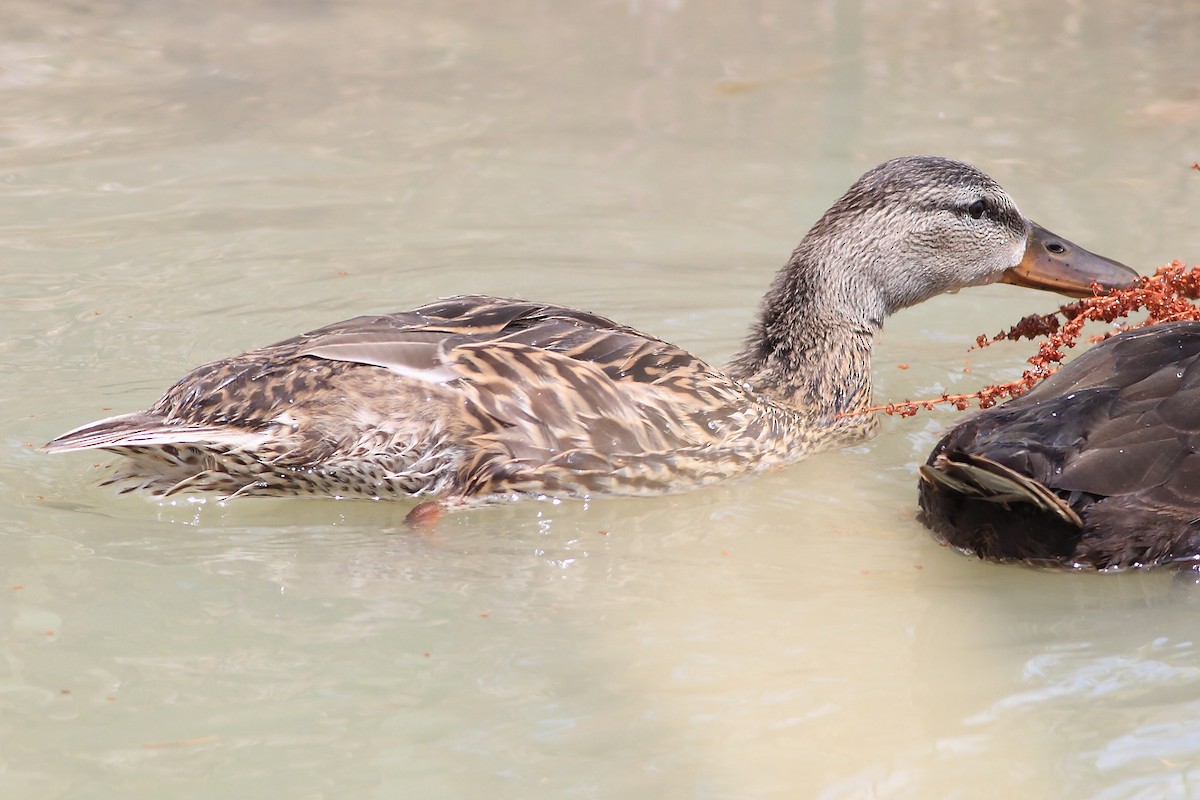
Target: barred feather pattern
(470, 397)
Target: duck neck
(810, 347)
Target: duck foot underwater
(425, 516)
(1098, 467)
(474, 397)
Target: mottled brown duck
(1098, 467)
(481, 397)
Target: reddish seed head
(1165, 297)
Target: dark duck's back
(1097, 468)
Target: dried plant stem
(1166, 296)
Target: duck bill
(1056, 265)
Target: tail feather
(143, 429)
(984, 479)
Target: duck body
(478, 397)
(1098, 467)
(470, 396)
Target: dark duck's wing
(1097, 467)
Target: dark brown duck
(1098, 467)
(477, 397)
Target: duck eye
(976, 209)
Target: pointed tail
(140, 429)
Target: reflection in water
(182, 184)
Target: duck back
(1097, 467)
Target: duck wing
(560, 398)
(429, 341)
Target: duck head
(919, 226)
(907, 230)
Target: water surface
(181, 182)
